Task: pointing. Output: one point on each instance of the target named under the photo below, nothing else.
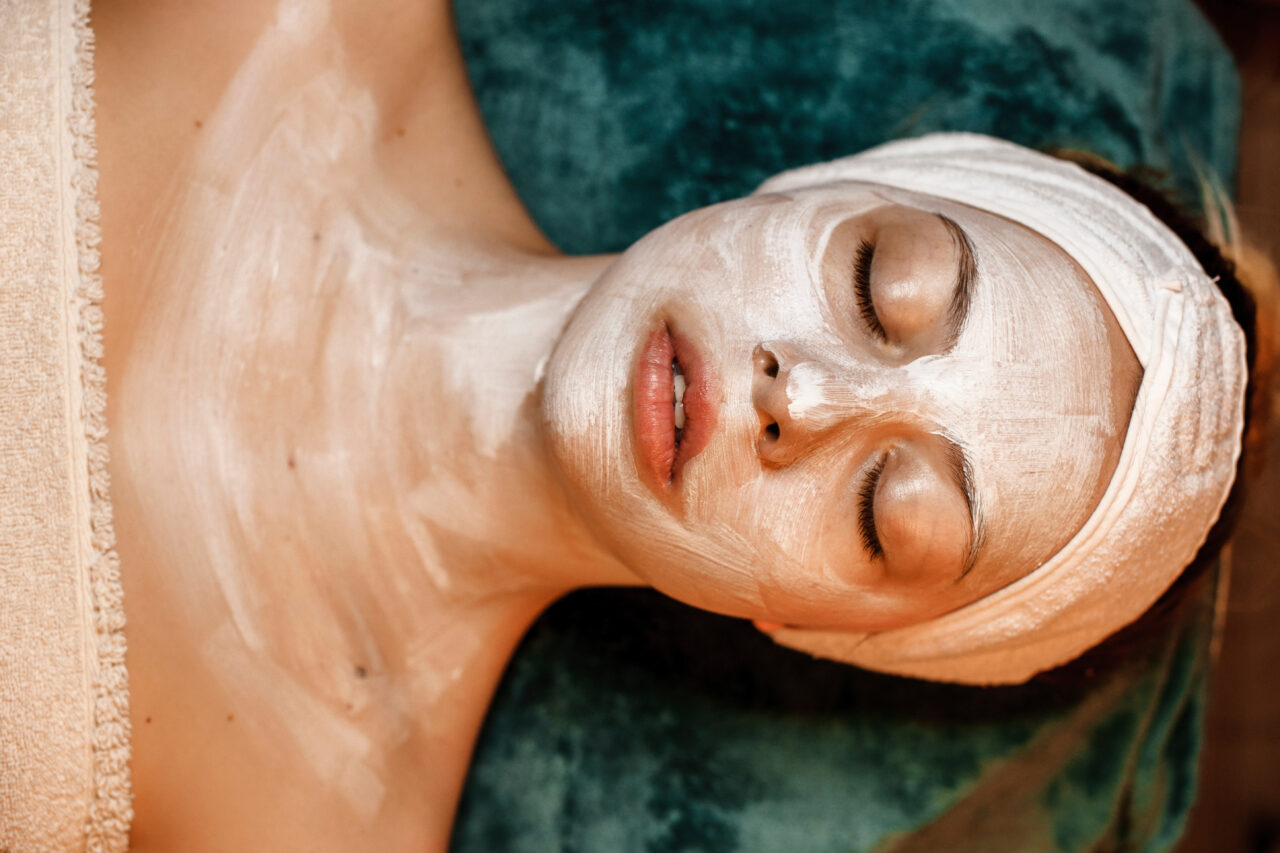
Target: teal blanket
(628, 722)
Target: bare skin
(209, 746)
(330, 545)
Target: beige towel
(64, 724)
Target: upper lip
(659, 460)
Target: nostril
(766, 363)
(768, 445)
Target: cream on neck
(328, 420)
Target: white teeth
(679, 384)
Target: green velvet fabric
(628, 722)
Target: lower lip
(661, 462)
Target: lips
(663, 448)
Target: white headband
(1180, 452)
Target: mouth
(674, 411)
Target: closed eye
(867, 510)
(862, 290)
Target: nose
(801, 399)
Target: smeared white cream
(329, 418)
(820, 396)
(475, 366)
(1024, 393)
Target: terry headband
(1179, 456)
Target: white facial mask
(747, 530)
(1181, 447)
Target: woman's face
(892, 405)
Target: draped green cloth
(628, 722)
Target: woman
(366, 423)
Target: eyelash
(867, 510)
(862, 289)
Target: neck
(377, 521)
(478, 474)
(486, 536)
(334, 511)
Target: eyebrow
(962, 474)
(966, 272)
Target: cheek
(776, 291)
(790, 310)
(796, 531)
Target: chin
(587, 428)
(585, 416)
